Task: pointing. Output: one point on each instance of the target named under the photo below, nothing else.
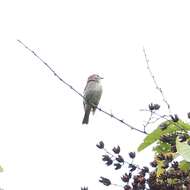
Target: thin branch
(72, 88)
(117, 185)
(154, 120)
(148, 121)
(166, 118)
(155, 82)
(48, 66)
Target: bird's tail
(86, 115)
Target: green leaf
(1, 169)
(162, 148)
(183, 149)
(155, 135)
(184, 165)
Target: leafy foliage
(184, 165)
(1, 169)
(171, 139)
(171, 126)
(183, 149)
(162, 147)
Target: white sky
(43, 144)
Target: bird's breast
(93, 92)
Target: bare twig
(148, 121)
(154, 120)
(155, 113)
(71, 87)
(155, 82)
(117, 185)
(165, 118)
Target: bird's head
(94, 77)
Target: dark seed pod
(127, 187)
(105, 181)
(174, 118)
(126, 177)
(108, 161)
(84, 188)
(151, 106)
(156, 106)
(133, 167)
(120, 159)
(175, 165)
(116, 150)
(154, 164)
(117, 166)
(182, 138)
(173, 149)
(161, 157)
(100, 145)
(132, 155)
(145, 169)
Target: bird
(92, 95)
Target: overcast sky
(43, 144)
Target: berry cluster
(164, 174)
(172, 178)
(153, 107)
(134, 178)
